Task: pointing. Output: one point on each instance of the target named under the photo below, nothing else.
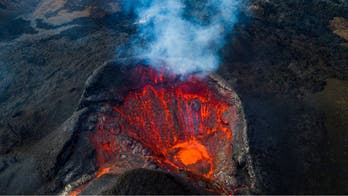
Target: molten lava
(180, 125)
(191, 152)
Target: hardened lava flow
(192, 127)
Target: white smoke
(187, 45)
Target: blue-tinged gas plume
(187, 34)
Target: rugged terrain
(287, 60)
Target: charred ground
(287, 61)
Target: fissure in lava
(183, 126)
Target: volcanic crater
(136, 116)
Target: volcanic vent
(140, 117)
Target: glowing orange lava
(102, 171)
(191, 153)
(182, 125)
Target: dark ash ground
(288, 61)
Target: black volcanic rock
(148, 182)
(15, 28)
(280, 56)
(286, 59)
(141, 182)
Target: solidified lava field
(65, 122)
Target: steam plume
(187, 34)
